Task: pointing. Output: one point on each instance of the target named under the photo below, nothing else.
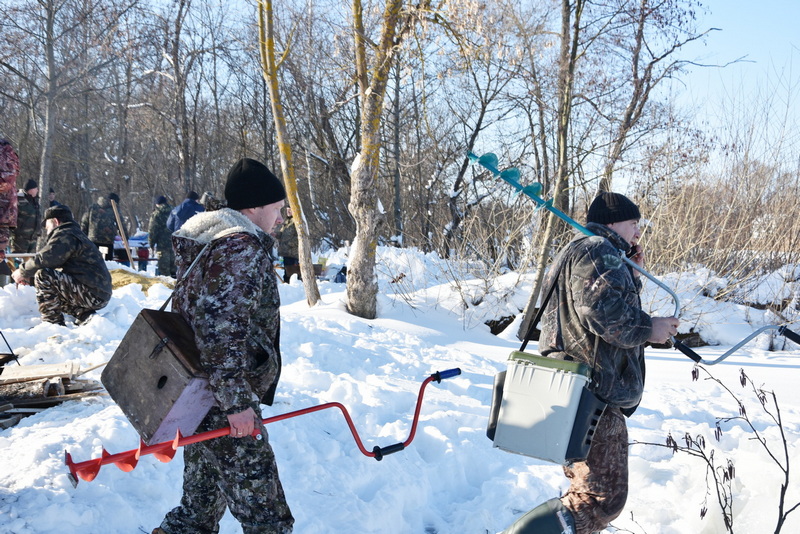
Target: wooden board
(22, 373)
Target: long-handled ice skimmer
(511, 176)
(165, 451)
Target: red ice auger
(165, 451)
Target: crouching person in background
(69, 273)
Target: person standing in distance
(595, 317)
(231, 300)
(9, 171)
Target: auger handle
(782, 330)
(687, 351)
(443, 375)
(794, 336)
(380, 452)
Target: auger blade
(490, 161)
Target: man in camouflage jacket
(160, 237)
(595, 317)
(100, 224)
(28, 226)
(69, 273)
(231, 300)
(9, 170)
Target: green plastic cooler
(546, 410)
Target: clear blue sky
(766, 33)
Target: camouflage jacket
(68, 249)
(595, 316)
(231, 300)
(287, 240)
(100, 223)
(9, 170)
(28, 217)
(158, 234)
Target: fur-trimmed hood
(207, 226)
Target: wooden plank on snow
(24, 373)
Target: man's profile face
(629, 230)
(50, 225)
(266, 217)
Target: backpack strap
(552, 288)
(185, 274)
(539, 313)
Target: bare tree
(270, 67)
(54, 45)
(372, 76)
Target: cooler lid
(551, 363)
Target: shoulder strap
(539, 313)
(550, 290)
(195, 262)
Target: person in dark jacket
(288, 247)
(69, 273)
(52, 198)
(100, 225)
(595, 317)
(160, 238)
(9, 171)
(231, 300)
(184, 211)
(28, 226)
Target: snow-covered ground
(450, 480)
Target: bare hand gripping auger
(511, 176)
(165, 451)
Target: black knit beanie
(250, 184)
(30, 184)
(609, 208)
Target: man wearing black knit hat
(231, 300)
(595, 317)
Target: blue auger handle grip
(441, 375)
(794, 336)
(687, 351)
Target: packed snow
(450, 479)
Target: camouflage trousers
(5, 237)
(166, 261)
(238, 473)
(58, 293)
(599, 485)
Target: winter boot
(551, 517)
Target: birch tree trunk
(270, 69)
(362, 284)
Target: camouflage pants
(166, 261)
(5, 237)
(23, 245)
(599, 485)
(58, 293)
(238, 473)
